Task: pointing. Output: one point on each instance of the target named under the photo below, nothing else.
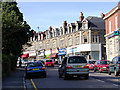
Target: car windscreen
(48, 60)
(35, 64)
(104, 62)
(91, 62)
(77, 60)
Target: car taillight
(118, 65)
(101, 66)
(28, 69)
(68, 67)
(43, 67)
(86, 66)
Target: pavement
(15, 81)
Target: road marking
(33, 84)
(115, 84)
(100, 80)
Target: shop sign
(47, 52)
(62, 51)
(72, 49)
(116, 33)
(54, 51)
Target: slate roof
(95, 22)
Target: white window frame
(109, 26)
(116, 22)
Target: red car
(101, 65)
(91, 64)
(49, 63)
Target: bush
(6, 65)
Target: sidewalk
(14, 81)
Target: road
(96, 80)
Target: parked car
(49, 63)
(101, 65)
(91, 64)
(114, 66)
(35, 69)
(74, 66)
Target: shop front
(89, 51)
(61, 54)
(113, 45)
(47, 54)
(40, 54)
(32, 55)
(54, 55)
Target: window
(62, 43)
(70, 42)
(109, 26)
(85, 39)
(77, 60)
(54, 44)
(77, 40)
(110, 47)
(116, 22)
(84, 25)
(117, 45)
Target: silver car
(74, 66)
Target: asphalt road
(96, 80)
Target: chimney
(50, 28)
(102, 15)
(81, 16)
(65, 23)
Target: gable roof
(95, 22)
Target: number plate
(49, 64)
(78, 66)
(36, 69)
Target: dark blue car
(114, 66)
(35, 69)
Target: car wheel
(60, 76)
(27, 77)
(65, 76)
(86, 76)
(109, 72)
(115, 72)
(44, 75)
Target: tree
(14, 32)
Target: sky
(46, 14)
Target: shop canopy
(53, 55)
(25, 55)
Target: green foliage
(14, 32)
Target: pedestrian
(20, 62)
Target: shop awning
(53, 55)
(25, 55)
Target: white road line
(100, 80)
(115, 84)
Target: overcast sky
(45, 14)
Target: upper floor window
(109, 26)
(62, 43)
(116, 22)
(70, 42)
(54, 44)
(84, 25)
(85, 39)
(77, 40)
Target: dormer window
(85, 24)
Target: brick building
(112, 21)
